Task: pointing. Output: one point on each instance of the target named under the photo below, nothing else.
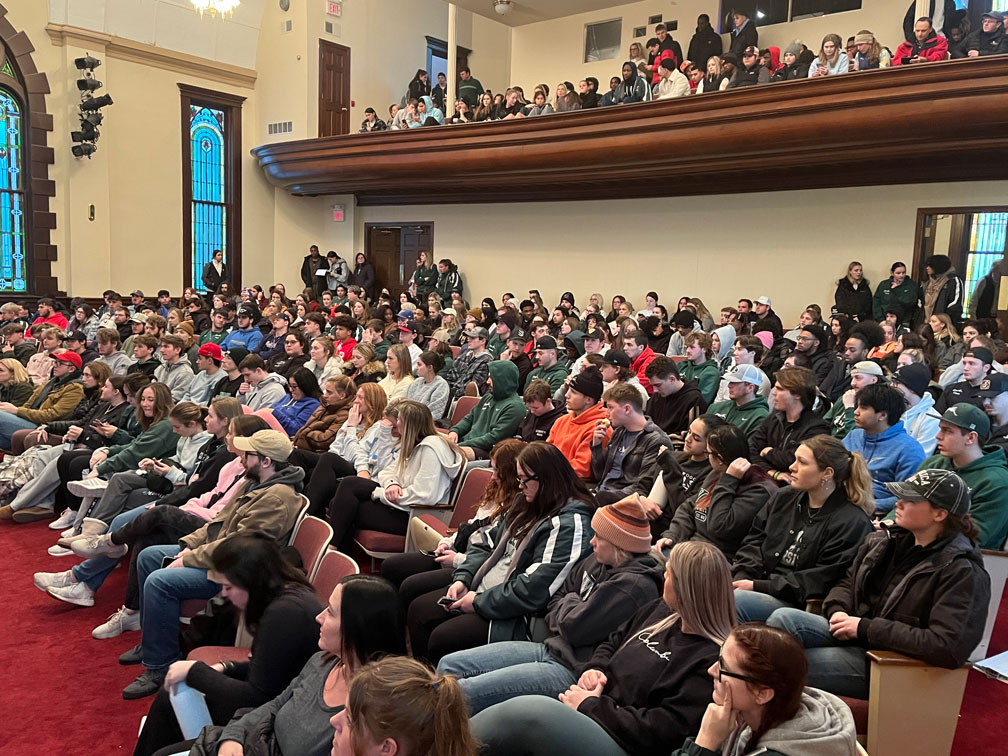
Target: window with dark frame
(13, 177)
(603, 40)
(211, 182)
(767, 12)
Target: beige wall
(791, 245)
(552, 51)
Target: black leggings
(415, 574)
(71, 466)
(328, 470)
(162, 525)
(435, 633)
(353, 509)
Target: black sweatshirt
(285, 639)
(657, 686)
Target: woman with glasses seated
(511, 577)
(761, 704)
(643, 690)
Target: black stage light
(95, 103)
(88, 84)
(86, 63)
(83, 150)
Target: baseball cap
(745, 374)
(981, 353)
(546, 342)
(72, 357)
(282, 316)
(915, 376)
(137, 293)
(211, 350)
(617, 357)
(764, 300)
(138, 317)
(867, 367)
(408, 327)
(477, 332)
(751, 50)
(77, 335)
(246, 312)
(969, 418)
(519, 334)
(993, 14)
(993, 384)
(942, 488)
(595, 333)
(267, 443)
(405, 314)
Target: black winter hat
(588, 382)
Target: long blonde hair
(849, 470)
(403, 359)
(402, 699)
(702, 584)
(415, 424)
(17, 371)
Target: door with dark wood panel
(334, 89)
(383, 248)
(416, 239)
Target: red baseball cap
(211, 350)
(72, 357)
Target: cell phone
(445, 601)
(166, 561)
(425, 552)
(904, 61)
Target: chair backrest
(456, 351)
(305, 504)
(311, 539)
(469, 494)
(996, 564)
(462, 407)
(335, 566)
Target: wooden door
(334, 89)
(416, 239)
(383, 248)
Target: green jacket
(17, 393)
(903, 298)
(425, 280)
(157, 442)
(58, 404)
(840, 418)
(498, 414)
(747, 417)
(381, 350)
(706, 375)
(987, 479)
(496, 346)
(554, 376)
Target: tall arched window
(13, 275)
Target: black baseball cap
(617, 357)
(546, 342)
(993, 384)
(77, 335)
(941, 488)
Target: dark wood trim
(31, 87)
(232, 107)
(917, 261)
(885, 127)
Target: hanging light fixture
(213, 7)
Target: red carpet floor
(61, 689)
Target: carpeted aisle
(61, 689)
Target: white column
(452, 73)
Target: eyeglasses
(524, 480)
(722, 672)
(806, 338)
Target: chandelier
(223, 7)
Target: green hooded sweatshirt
(498, 414)
(987, 479)
(747, 417)
(554, 376)
(706, 375)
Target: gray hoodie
(270, 390)
(823, 726)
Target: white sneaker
(68, 532)
(65, 520)
(58, 551)
(78, 594)
(120, 622)
(46, 580)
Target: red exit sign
(334, 8)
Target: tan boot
(90, 527)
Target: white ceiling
(170, 24)
(530, 11)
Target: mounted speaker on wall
(89, 111)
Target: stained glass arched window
(209, 208)
(13, 275)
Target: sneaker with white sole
(121, 622)
(68, 532)
(58, 551)
(99, 545)
(47, 580)
(78, 594)
(65, 520)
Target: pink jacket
(227, 484)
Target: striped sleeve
(554, 555)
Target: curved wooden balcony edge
(914, 124)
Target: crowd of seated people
(658, 69)
(670, 489)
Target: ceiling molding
(152, 55)
(909, 124)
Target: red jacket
(933, 49)
(345, 348)
(640, 365)
(55, 319)
(573, 435)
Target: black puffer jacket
(793, 553)
(855, 303)
(935, 613)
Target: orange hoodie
(573, 435)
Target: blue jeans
(94, 571)
(190, 710)
(162, 592)
(10, 423)
(752, 606)
(537, 726)
(838, 667)
(497, 672)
